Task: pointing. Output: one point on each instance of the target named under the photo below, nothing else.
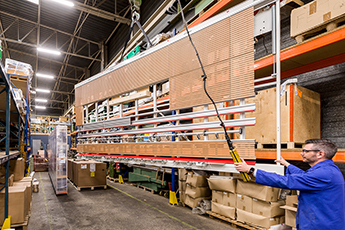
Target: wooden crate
(300, 116)
(316, 16)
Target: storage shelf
(12, 155)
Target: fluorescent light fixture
(64, 2)
(41, 100)
(40, 107)
(43, 90)
(34, 1)
(44, 75)
(55, 52)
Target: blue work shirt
(321, 199)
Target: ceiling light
(34, 1)
(64, 2)
(49, 51)
(44, 75)
(43, 90)
(41, 100)
(40, 107)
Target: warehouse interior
(114, 110)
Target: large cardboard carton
(260, 192)
(192, 202)
(244, 203)
(217, 197)
(182, 196)
(268, 209)
(16, 167)
(251, 218)
(196, 192)
(28, 185)
(17, 205)
(196, 181)
(290, 210)
(182, 185)
(182, 174)
(222, 183)
(224, 210)
(89, 173)
(317, 13)
(229, 199)
(69, 169)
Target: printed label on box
(92, 167)
(83, 166)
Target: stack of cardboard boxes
(196, 189)
(182, 177)
(247, 202)
(291, 210)
(19, 193)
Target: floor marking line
(172, 217)
(45, 202)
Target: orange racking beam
(294, 155)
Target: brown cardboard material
(192, 202)
(28, 184)
(229, 199)
(182, 186)
(222, 183)
(267, 209)
(260, 192)
(16, 167)
(89, 173)
(244, 202)
(290, 210)
(247, 217)
(17, 207)
(182, 174)
(217, 197)
(10, 180)
(224, 210)
(196, 181)
(196, 192)
(69, 169)
(182, 196)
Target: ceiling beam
(35, 46)
(48, 27)
(101, 13)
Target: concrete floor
(120, 206)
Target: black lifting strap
(135, 21)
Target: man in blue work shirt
(321, 198)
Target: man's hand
(283, 162)
(242, 167)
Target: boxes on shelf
(315, 16)
(63, 119)
(300, 116)
(18, 68)
(17, 204)
(16, 167)
(260, 192)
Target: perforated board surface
(225, 47)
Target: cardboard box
(17, 207)
(63, 119)
(224, 210)
(217, 197)
(182, 186)
(290, 210)
(229, 199)
(16, 167)
(192, 202)
(182, 174)
(28, 197)
(260, 192)
(196, 181)
(196, 192)
(251, 218)
(225, 174)
(89, 173)
(268, 209)
(244, 203)
(69, 169)
(222, 183)
(182, 196)
(317, 13)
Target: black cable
(204, 76)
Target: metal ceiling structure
(80, 33)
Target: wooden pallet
(321, 30)
(116, 179)
(234, 223)
(92, 187)
(143, 187)
(23, 225)
(289, 145)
